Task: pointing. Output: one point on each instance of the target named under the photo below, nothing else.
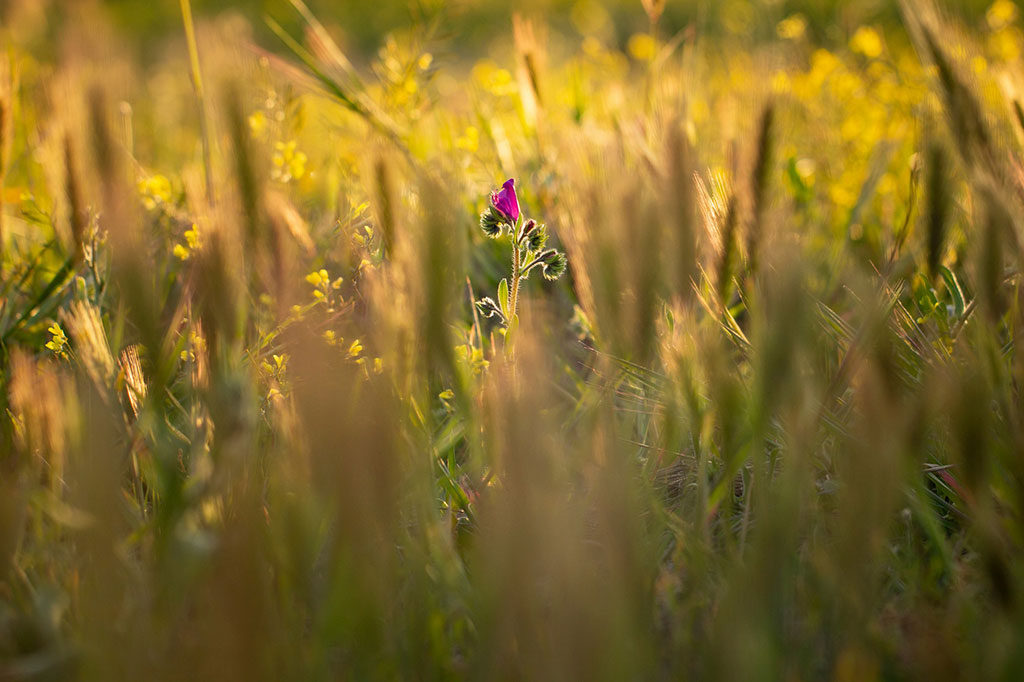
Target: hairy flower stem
(513, 297)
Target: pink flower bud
(505, 201)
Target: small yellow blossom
(472, 356)
(58, 342)
(793, 27)
(289, 162)
(258, 123)
(155, 190)
(494, 79)
(196, 345)
(592, 47)
(318, 277)
(469, 140)
(1000, 14)
(842, 196)
(364, 237)
(642, 47)
(737, 16)
(279, 366)
(445, 396)
(192, 243)
(780, 82)
(1005, 44)
(866, 41)
(192, 237)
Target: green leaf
(924, 297)
(801, 191)
(954, 290)
(510, 331)
(503, 297)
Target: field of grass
(277, 407)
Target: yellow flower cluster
(195, 347)
(642, 47)
(278, 368)
(1004, 42)
(289, 162)
(402, 69)
(472, 357)
(58, 343)
(354, 352)
(469, 140)
(323, 285)
(890, 92)
(868, 42)
(494, 79)
(192, 243)
(258, 124)
(155, 191)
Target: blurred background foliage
(476, 26)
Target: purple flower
(506, 202)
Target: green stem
(532, 264)
(538, 260)
(197, 86)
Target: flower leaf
(503, 297)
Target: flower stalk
(513, 300)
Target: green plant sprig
(528, 239)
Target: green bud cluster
(492, 223)
(554, 265)
(535, 237)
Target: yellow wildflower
(642, 47)
(469, 140)
(155, 190)
(258, 123)
(866, 41)
(1000, 14)
(792, 28)
(289, 162)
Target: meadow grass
(769, 425)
